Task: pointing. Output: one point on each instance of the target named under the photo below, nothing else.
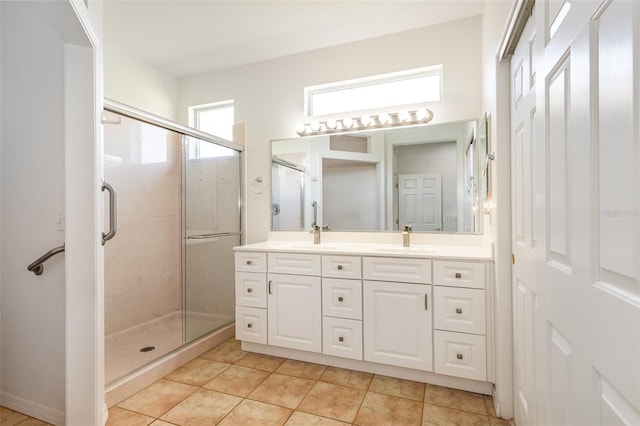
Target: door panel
(577, 279)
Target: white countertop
(471, 252)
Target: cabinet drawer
(342, 337)
(247, 261)
(397, 269)
(251, 324)
(251, 289)
(459, 309)
(294, 263)
(342, 298)
(342, 267)
(460, 355)
(458, 274)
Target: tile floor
(228, 386)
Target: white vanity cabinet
(460, 319)
(251, 297)
(398, 327)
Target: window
(216, 119)
(388, 90)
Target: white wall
(496, 79)
(32, 152)
(136, 83)
(269, 95)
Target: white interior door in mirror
(420, 201)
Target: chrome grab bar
(205, 236)
(37, 266)
(315, 213)
(113, 220)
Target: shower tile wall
(142, 262)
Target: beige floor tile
(32, 422)
(499, 422)
(121, 417)
(282, 390)
(336, 402)
(454, 398)
(203, 408)
(306, 370)
(158, 398)
(228, 351)
(435, 415)
(349, 378)
(261, 362)
(299, 418)
(378, 409)
(10, 418)
(161, 423)
(256, 413)
(238, 380)
(398, 387)
(197, 372)
(488, 403)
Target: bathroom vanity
(420, 313)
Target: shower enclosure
(169, 277)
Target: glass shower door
(211, 211)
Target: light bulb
(315, 125)
(421, 114)
(332, 124)
(403, 115)
(347, 123)
(300, 129)
(383, 118)
(365, 120)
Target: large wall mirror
(424, 176)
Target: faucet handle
(314, 228)
(408, 228)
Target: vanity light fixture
(382, 120)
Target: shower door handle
(113, 222)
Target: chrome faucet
(315, 230)
(405, 235)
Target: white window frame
(380, 79)
(194, 111)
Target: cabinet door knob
(341, 339)
(458, 275)
(459, 356)
(458, 311)
(340, 267)
(248, 262)
(249, 325)
(340, 299)
(249, 290)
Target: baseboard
(34, 409)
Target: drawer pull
(249, 290)
(269, 286)
(459, 356)
(341, 339)
(340, 299)
(248, 262)
(458, 275)
(426, 302)
(340, 267)
(249, 325)
(458, 310)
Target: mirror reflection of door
(420, 201)
(287, 197)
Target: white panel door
(294, 318)
(420, 201)
(398, 325)
(576, 226)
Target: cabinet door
(294, 312)
(398, 328)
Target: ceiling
(186, 37)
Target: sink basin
(307, 246)
(411, 249)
